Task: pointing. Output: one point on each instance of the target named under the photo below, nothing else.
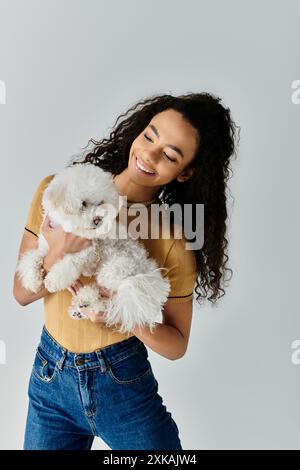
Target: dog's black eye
(84, 204)
(100, 203)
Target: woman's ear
(185, 175)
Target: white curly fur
(121, 265)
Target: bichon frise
(84, 200)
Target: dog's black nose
(97, 220)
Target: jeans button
(80, 361)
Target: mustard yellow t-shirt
(83, 336)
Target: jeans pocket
(44, 366)
(132, 368)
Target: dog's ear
(55, 194)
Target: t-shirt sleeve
(182, 271)
(35, 212)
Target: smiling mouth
(141, 167)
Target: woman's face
(164, 148)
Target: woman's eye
(171, 159)
(100, 203)
(148, 138)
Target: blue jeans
(111, 393)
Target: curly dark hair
(207, 185)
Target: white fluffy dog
(84, 200)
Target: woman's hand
(95, 317)
(60, 243)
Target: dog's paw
(51, 283)
(89, 296)
(35, 285)
(76, 314)
(55, 282)
(84, 305)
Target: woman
(88, 380)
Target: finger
(95, 317)
(105, 292)
(76, 286)
(90, 315)
(47, 224)
(72, 290)
(99, 317)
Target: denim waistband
(104, 356)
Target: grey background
(71, 67)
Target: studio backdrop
(67, 70)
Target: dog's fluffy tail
(138, 301)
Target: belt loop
(103, 364)
(62, 359)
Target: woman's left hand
(95, 317)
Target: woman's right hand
(60, 242)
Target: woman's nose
(151, 159)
